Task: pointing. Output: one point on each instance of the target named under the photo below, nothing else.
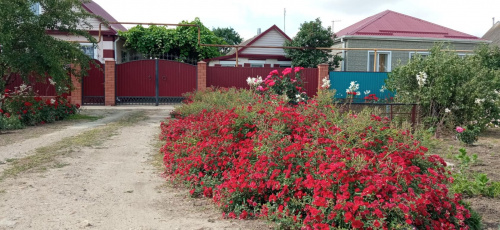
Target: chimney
(258, 31)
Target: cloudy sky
(472, 17)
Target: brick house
(110, 45)
(257, 57)
(393, 30)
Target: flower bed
(23, 107)
(306, 166)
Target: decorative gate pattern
(93, 85)
(153, 81)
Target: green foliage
(470, 183)
(474, 222)
(28, 50)
(8, 122)
(229, 35)
(469, 135)
(452, 90)
(182, 41)
(312, 34)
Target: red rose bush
(306, 166)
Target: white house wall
(272, 38)
(101, 46)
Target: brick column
(322, 73)
(76, 91)
(109, 82)
(202, 76)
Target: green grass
(46, 155)
(78, 116)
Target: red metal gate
(153, 81)
(93, 85)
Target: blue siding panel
(372, 81)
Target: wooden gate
(93, 85)
(153, 81)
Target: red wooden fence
(236, 77)
(41, 88)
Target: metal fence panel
(372, 81)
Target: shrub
(307, 166)
(450, 89)
(30, 109)
(468, 135)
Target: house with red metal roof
(392, 30)
(109, 46)
(257, 57)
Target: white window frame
(421, 53)
(96, 56)
(36, 8)
(389, 60)
(284, 63)
(257, 63)
(227, 63)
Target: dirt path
(111, 186)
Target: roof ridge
(369, 22)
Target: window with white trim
(36, 8)
(422, 54)
(89, 49)
(257, 63)
(228, 63)
(383, 61)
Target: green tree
(27, 50)
(182, 41)
(229, 35)
(451, 90)
(312, 34)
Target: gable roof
(493, 34)
(249, 43)
(94, 8)
(393, 24)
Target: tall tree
(230, 36)
(154, 41)
(27, 50)
(312, 34)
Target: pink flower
(460, 129)
(297, 69)
(287, 71)
(274, 72)
(260, 88)
(271, 83)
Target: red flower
(271, 83)
(243, 215)
(24, 111)
(1, 111)
(376, 224)
(77, 106)
(38, 99)
(357, 224)
(7, 114)
(297, 69)
(28, 104)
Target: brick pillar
(322, 73)
(76, 91)
(109, 82)
(202, 75)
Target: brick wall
(76, 91)
(109, 82)
(202, 76)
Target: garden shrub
(308, 166)
(450, 89)
(24, 105)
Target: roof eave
(417, 39)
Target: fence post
(202, 76)
(322, 73)
(109, 82)
(157, 83)
(76, 91)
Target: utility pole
(284, 20)
(333, 24)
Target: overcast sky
(473, 16)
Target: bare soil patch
(488, 152)
(112, 185)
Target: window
(383, 61)
(422, 54)
(228, 63)
(89, 49)
(257, 63)
(36, 8)
(284, 63)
